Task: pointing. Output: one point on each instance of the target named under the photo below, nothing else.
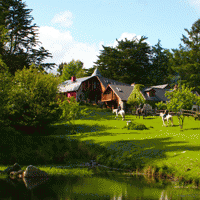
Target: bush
(5, 85)
(32, 100)
(134, 126)
(161, 105)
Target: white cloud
(84, 52)
(64, 47)
(195, 3)
(129, 36)
(63, 18)
(53, 39)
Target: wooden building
(97, 88)
(116, 95)
(88, 89)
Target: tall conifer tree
(21, 47)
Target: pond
(106, 185)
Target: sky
(77, 29)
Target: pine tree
(21, 46)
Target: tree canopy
(19, 44)
(186, 59)
(136, 96)
(135, 61)
(73, 68)
(160, 65)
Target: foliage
(180, 98)
(185, 61)
(20, 37)
(127, 62)
(136, 126)
(5, 84)
(70, 109)
(32, 99)
(136, 97)
(89, 71)
(73, 68)
(60, 68)
(160, 64)
(161, 105)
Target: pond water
(110, 185)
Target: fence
(187, 113)
(154, 112)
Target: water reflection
(112, 186)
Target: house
(115, 95)
(156, 93)
(96, 88)
(89, 88)
(119, 94)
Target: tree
(32, 100)
(180, 98)
(136, 97)
(128, 62)
(60, 68)
(186, 59)
(5, 85)
(88, 72)
(73, 68)
(160, 65)
(20, 37)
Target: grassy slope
(166, 148)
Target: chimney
(73, 79)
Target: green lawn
(99, 136)
(168, 149)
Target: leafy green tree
(161, 105)
(73, 68)
(128, 62)
(60, 68)
(5, 85)
(136, 97)
(32, 99)
(186, 59)
(179, 99)
(20, 37)
(160, 65)
(70, 109)
(3, 31)
(89, 71)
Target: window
(119, 89)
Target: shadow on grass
(192, 129)
(139, 153)
(67, 129)
(99, 116)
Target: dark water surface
(110, 185)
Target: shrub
(5, 85)
(32, 99)
(135, 126)
(161, 105)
